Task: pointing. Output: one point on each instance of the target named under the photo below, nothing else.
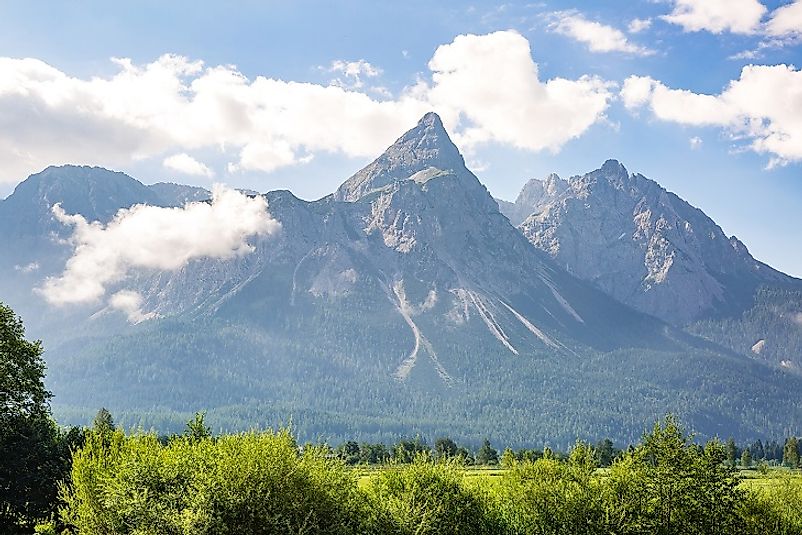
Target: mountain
(653, 251)
(171, 194)
(403, 303)
(533, 197)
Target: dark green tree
(791, 453)
(606, 452)
(487, 454)
(445, 448)
(34, 453)
(746, 458)
(732, 451)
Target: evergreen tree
(487, 454)
(732, 451)
(103, 422)
(746, 458)
(791, 453)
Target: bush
(248, 483)
(429, 497)
(549, 496)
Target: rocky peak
(94, 192)
(645, 246)
(535, 194)
(424, 146)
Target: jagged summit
(424, 146)
(646, 246)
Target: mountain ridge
(404, 302)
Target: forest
(104, 480)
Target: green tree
(487, 454)
(507, 459)
(32, 449)
(732, 451)
(606, 452)
(746, 458)
(669, 485)
(196, 428)
(791, 452)
(103, 422)
(445, 448)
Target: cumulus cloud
(489, 87)
(762, 107)
(130, 303)
(176, 106)
(186, 164)
(786, 21)
(27, 268)
(149, 237)
(639, 25)
(598, 37)
(717, 16)
(695, 142)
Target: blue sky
(743, 166)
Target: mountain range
(412, 302)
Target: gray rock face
(426, 145)
(172, 194)
(535, 195)
(646, 247)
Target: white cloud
(639, 25)
(598, 37)
(762, 106)
(695, 142)
(489, 87)
(786, 21)
(186, 164)
(27, 268)
(717, 16)
(174, 106)
(130, 303)
(150, 237)
(353, 71)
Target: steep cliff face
(646, 247)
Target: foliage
(428, 497)
(253, 482)
(34, 452)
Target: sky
(704, 96)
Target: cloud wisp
(185, 164)
(173, 107)
(597, 36)
(153, 238)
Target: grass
(753, 479)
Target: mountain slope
(404, 303)
(655, 252)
